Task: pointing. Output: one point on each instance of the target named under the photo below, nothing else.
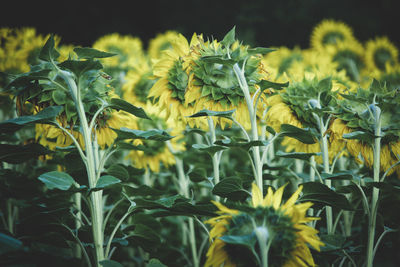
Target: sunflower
(281, 60)
(129, 50)
(329, 33)
(150, 154)
(173, 73)
(379, 53)
(284, 226)
(19, 48)
(349, 57)
(214, 86)
(161, 42)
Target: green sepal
(229, 38)
(260, 50)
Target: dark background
(259, 23)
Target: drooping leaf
(231, 188)
(106, 181)
(154, 134)
(360, 135)
(120, 104)
(57, 180)
(79, 67)
(209, 149)
(155, 263)
(118, 171)
(18, 154)
(205, 113)
(264, 84)
(260, 50)
(8, 244)
(303, 135)
(47, 115)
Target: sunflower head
(161, 42)
(380, 53)
(329, 33)
(237, 235)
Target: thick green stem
(375, 191)
(96, 208)
(254, 129)
(215, 157)
(10, 216)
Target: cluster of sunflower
(176, 78)
(334, 55)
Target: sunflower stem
(375, 190)
(96, 203)
(254, 129)
(215, 157)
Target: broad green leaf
(205, 113)
(120, 104)
(48, 52)
(229, 38)
(360, 135)
(243, 240)
(231, 188)
(332, 242)
(110, 263)
(106, 181)
(246, 145)
(142, 190)
(264, 84)
(79, 67)
(209, 149)
(57, 180)
(8, 244)
(325, 85)
(154, 134)
(317, 192)
(197, 174)
(165, 202)
(118, 171)
(18, 154)
(23, 80)
(296, 155)
(90, 53)
(59, 97)
(303, 135)
(218, 60)
(45, 116)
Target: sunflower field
(199, 152)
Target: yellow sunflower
(161, 42)
(330, 33)
(363, 152)
(173, 73)
(379, 53)
(129, 50)
(19, 48)
(284, 227)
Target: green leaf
(90, 53)
(209, 149)
(317, 192)
(229, 38)
(118, 171)
(217, 60)
(166, 202)
(57, 180)
(205, 113)
(325, 85)
(45, 116)
(303, 135)
(296, 155)
(155, 263)
(260, 50)
(264, 84)
(142, 190)
(59, 96)
(79, 67)
(110, 263)
(360, 135)
(231, 188)
(332, 242)
(197, 174)
(154, 134)
(17, 154)
(106, 181)
(48, 52)
(244, 144)
(243, 240)
(120, 104)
